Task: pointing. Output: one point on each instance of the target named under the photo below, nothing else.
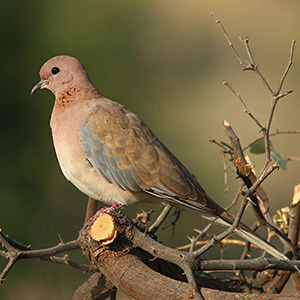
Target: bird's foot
(106, 209)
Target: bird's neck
(72, 94)
(65, 97)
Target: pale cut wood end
(103, 229)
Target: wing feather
(127, 153)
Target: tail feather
(250, 236)
(208, 209)
(259, 242)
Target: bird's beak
(38, 86)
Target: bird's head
(61, 73)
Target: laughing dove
(109, 154)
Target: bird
(112, 156)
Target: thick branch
(135, 272)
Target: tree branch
(123, 264)
(287, 68)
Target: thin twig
(253, 66)
(289, 157)
(225, 233)
(287, 68)
(160, 219)
(65, 260)
(268, 126)
(272, 110)
(228, 39)
(246, 41)
(222, 145)
(277, 132)
(224, 242)
(260, 180)
(7, 268)
(236, 197)
(60, 248)
(246, 110)
(16, 251)
(201, 234)
(225, 172)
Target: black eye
(54, 70)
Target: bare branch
(192, 281)
(236, 197)
(112, 259)
(160, 219)
(225, 172)
(287, 68)
(261, 264)
(226, 232)
(222, 145)
(246, 110)
(278, 132)
(249, 178)
(289, 157)
(246, 41)
(268, 126)
(228, 39)
(65, 260)
(16, 251)
(253, 66)
(60, 248)
(261, 179)
(201, 233)
(272, 110)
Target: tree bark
(140, 276)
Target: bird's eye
(54, 70)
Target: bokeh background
(164, 60)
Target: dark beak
(38, 86)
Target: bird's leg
(110, 208)
(91, 209)
(106, 209)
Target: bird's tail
(208, 209)
(262, 244)
(250, 236)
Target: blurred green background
(164, 60)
